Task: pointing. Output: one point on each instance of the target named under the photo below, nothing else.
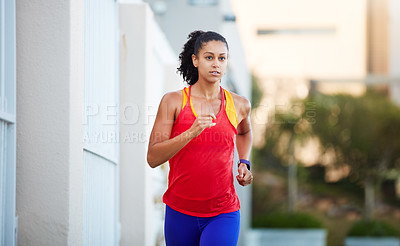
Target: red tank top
(200, 181)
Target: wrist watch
(245, 162)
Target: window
(296, 31)
(203, 2)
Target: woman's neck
(206, 90)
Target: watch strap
(245, 162)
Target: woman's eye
(222, 58)
(209, 57)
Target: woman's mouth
(214, 72)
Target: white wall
(147, 70)
(7, 123)
(49, 112)
(181, 18)
(135, 193)
(100, 124)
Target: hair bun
(195, 34)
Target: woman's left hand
(245, 177)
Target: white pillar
(49, 111)
(135, 80)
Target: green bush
(287, 220)
(372, 229)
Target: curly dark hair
(195, 42)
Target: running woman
(196, 129)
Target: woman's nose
(216, 63)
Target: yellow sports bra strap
(185, 92)
(230, 109)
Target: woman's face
(211, 61)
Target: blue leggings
(185, 230)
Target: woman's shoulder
(241, 103)
(172, 98)
(173, 95)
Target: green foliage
(263, 158)
(287, 128)
(256, 92)
(287, 220)
(364, 132)
(372, 229)
(343, 188)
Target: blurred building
(179, 18)
(296, 46)
(80, 86)
(383, 37)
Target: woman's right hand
(202, 122)
(161, 146)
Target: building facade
(341, 46)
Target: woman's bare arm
(243, 139)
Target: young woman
(195, 129)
